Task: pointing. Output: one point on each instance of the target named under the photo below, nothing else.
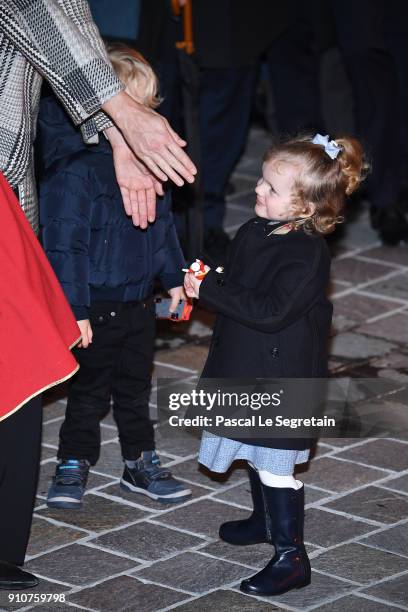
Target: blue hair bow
(331, 147)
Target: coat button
(220, 282)
(100, 319)
(274, 352)
(113, 314)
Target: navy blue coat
(273, 314)
(96, 251)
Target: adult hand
(137, 185)
(86, 333)
(151, 138)
(176, 294)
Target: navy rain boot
(253, 529)
(290, 567)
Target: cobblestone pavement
(129, 553)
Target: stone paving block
(398, 484)
(147, 541)
(396, 286)
(43, 588)
(340, 442)
(256, 556)
(47, 471)
(176, 440)
(191, 356)
(50, 433)
(359, 563)
(357, 235)
(394, 328)
(53, 410)
(79, 565)
(381, 453)
(148, 503)
(127, 593)
(373, 503)
(45, 536)
(193, 572)
(356, 271)
(396, 255)
(357, 346)
(395, 359)
(110, 460)
(164, 370)
(191, 470)
(394, 540)
(224, 599)
(96, 514)
(314, 495)
(395, 590)
(321, 588)
(357, 307)
(327, 528)
(334, 475)
(320, 449)
(202, 517)
(58, 608)
(394, 375)
(240, 494)
(48, 453)
(341, 324)
(354, 603)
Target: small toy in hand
(182, 312)
(197, 268)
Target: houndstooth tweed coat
(56, 40)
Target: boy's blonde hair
(132, 68)
(321, 181)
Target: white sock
(277, 481)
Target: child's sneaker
(149, 478)
(68, 484)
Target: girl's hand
(192, 285)
(86, 333)
(176, 294)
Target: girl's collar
(280, 227)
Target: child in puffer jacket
(107, 268)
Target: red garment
(37, 327)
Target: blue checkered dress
(217, 454)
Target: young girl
(273, 321)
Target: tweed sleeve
(63, 44)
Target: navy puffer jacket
(96, 251)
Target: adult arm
(51, 40)
(62, 43)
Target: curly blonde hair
(322, 181)
(135, 72)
